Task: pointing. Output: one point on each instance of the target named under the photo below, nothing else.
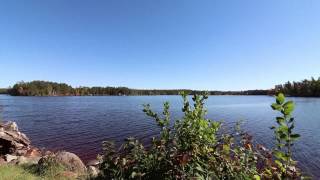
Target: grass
(48, 168)
(11, 172)
(29, 172)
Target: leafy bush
(192, 149)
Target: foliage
(40, 88)
(11, 172)
(305, 88)
(192, 149)
(285, 137)
(44, 88)
(3, 91)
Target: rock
(10, 158)
(28, 160)
(12, 141)
(71, 162)
(21, 152)
(22, 160)
(93, 171)
(47, 153)
(2, 161)
(33, 152)
(9, 126)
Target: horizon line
(243, 90)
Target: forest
(46, 88)
(305, 88)
(3, 91)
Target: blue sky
(205, 44)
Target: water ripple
(80, 124)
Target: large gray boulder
(12, 141)
(71, 162)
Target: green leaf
(280, 155)
(199, 168)
(280, 165)
(288, 107)
(291, 127)
(256, 177)
(291, 120)
(226, 148)
(295, 136)
(133, 174)
(283, 129)
(280, 120)
(276, 106)
(280, 99)
(283, 136)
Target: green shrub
(192, 149)
(285, 138)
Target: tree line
(3, 91)
(46, 88)
(305, 88)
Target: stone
(12, 141)
(71, 162)
(28, 160)
(21, 152)
(93, 171)
(10, 126)
(2, 161)
(47, 153)
(10, 158)
(33, 152)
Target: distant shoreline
(46, 88)
(305, 88)
(136, 95)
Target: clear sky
(195, 44)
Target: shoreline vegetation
(4, 91)
(46, 88)
(190, 149)
(305, 88)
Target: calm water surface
(80, 124)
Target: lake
(80, 124)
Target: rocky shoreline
(16, 149)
